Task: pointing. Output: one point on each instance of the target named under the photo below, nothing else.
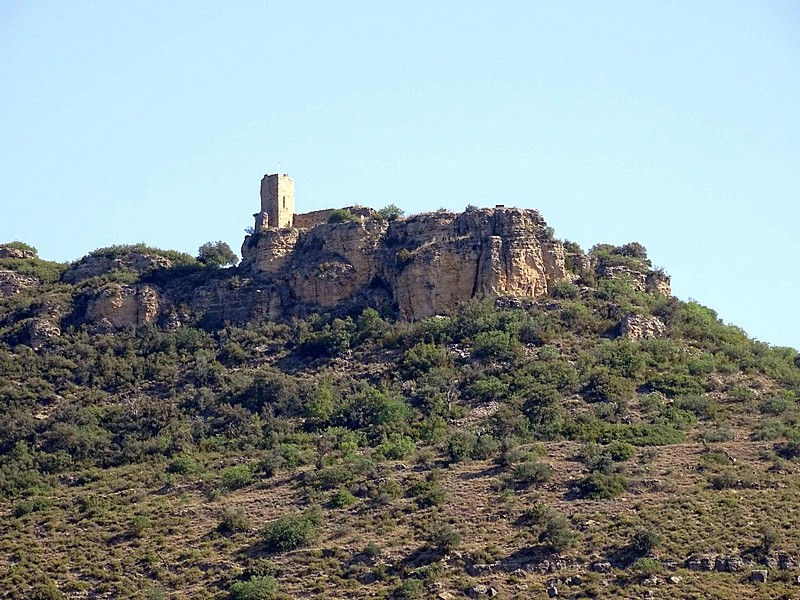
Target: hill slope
(603, 441)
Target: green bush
(341, 215)
(531, 472)
(139, 525)
(217, 254)
(444, 537)
(498, 345)
(428, 492)
(183, 465)
(422, 357)
(233, 519)
(236, 477)
(558, 534)
(397, 447)
(290, 531)
(389, 213)
(644, 541)
(601, 486)
(604, 386)
(410, 588)
(258, 588)
(564, 289)
(460, 445)
(342, 498)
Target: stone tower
(277, 201)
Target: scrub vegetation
(359, 456)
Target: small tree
(390, 213)
(217, 254)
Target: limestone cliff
(424, 265)
(116, 306)
(416, 267)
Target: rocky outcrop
(266, 252)
(642, 327)
(425, 265)
(14, 252)
(116, 306)
(40, 331)
(92, 265)
(335, 262)
(12, 283)
(650, 281)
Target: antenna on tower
(279, 168)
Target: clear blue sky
(675, 124)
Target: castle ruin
(277, 202)
(277, 207)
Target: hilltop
(445, 405)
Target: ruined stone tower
(277, 202)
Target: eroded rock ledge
(424, 265)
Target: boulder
(641, 327)
(12, 283)
(758, 576)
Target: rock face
(12, 282)
(424, 265)
(642, 327)
(92, 266)
(40, 331)
(13, 252)
(117, 306)
(652, 282)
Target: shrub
(644, 541)
(139, 525)
(600, 486)
(725, 479)
(216, 254)
(620, 451)
(603, 386)
(531, 472)
(647, 566)
(558, 534)
(564, 289)
(486, 446)
(290, 531)
(769, 537)
(342, 498)
(497, 345)
(444, 537)
(397, 447)
(341, 215)
(460, 445)
(236, 477)
(410, 588)
(428, 492)
(390, 213)
(183, 465)
(233, 519)
(422, 357)
(536, 514)
(403, 256)
(258, 588)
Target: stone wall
(277, 199)
(319, 217)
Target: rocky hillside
(444, 406)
